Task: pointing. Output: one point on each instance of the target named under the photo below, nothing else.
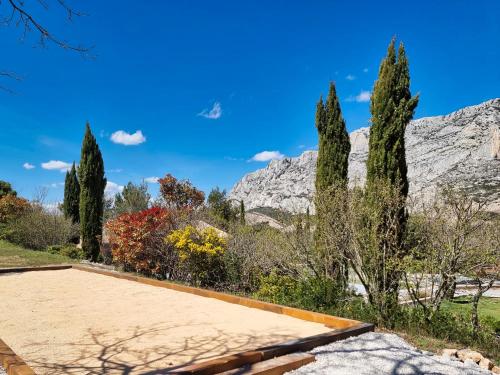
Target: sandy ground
(382, 354)
(75, 322)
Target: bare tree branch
(21, 16)
(29, 23)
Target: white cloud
(350, 77)
(116, 170)
(56, 184)
(59, 165)
(301, 146)
(152, 180)
(267, 156)
(123, 138)
(214, 113)
(112, 188)
(362, 97)
(365, 70)
(28, 166)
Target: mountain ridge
(461, 148)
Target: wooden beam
(12, 363)
(235, 361)
(37, 268)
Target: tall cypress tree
(71, 204)
(242, 212)
(331, 178)
(392, 108)
(92, 184)
(334, 145)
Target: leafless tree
(17, 13)
(456, 236)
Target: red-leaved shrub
(137, 241)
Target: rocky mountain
(462, 148)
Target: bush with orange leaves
(180, 194)
(137, 241)
(12, 207)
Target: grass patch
(16, 256)
(488, 306)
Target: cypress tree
(334, 145)
(392, 108)
(331, 178)
(242, 213)
(71, 204)
(92, 184)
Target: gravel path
(382, 353)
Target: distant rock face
(462, 148)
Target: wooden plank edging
(275, 366)
(328, 320)
(250, 357)
(12, 363)
(36, 268)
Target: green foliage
(331, 171)
(71, 203)
(37, 229)
(319, 294)
(92, 185)
(70, 251)
(220, 208)
(334, 145)
(6, 189)
(392, 108)
(242, 213)
(133, 198)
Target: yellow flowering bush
(200, 254)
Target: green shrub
(311, 294)
(37, 229)
(69, 251)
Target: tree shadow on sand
(101, 352)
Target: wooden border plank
(250, 357)
(12, 363)
(36, 268)
(275, 366)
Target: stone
(449, 352)
(472, 355)
(462, 148)
(470, 363)
(486, 364)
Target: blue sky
(211, 84)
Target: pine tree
(242, 212)
(71, 204)
(334, 145)
(92, 184)
(392, 108)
